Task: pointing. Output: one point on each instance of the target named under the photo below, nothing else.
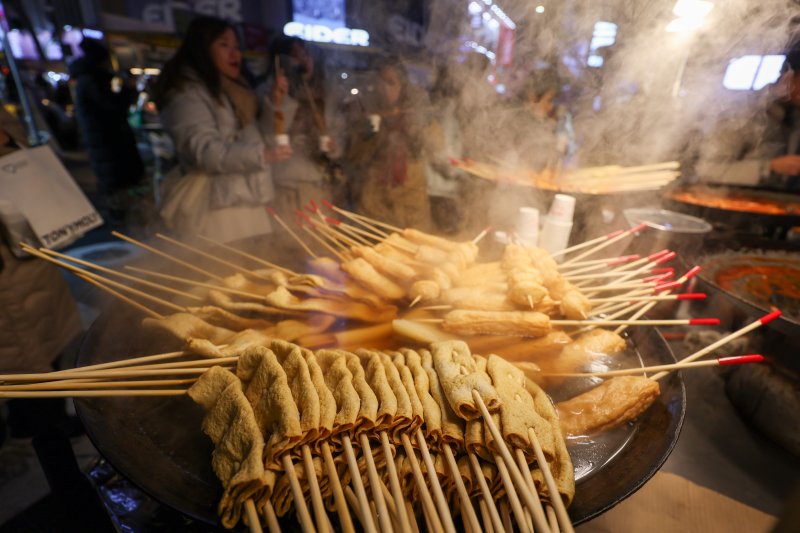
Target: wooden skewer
(378, 223)
(291, 232)
(486, 518)
(121, 362)
(419, 479)
(526, 473)
(511, 493)
(122, 297)
(390, 505)
(364, 233)
(394, 482)
(336, 485)
(122, 275)
(166, 255)
(481, 235)
(358, 485)
(345, 240)
(505, 453)
(766, 319)
(327, 246)
(414, 301)
(375, 484)
(555, 498)
(441, 503)
(253, 521)
(355, 218)
(249, 256)
(91, 393)
(80, 384)
(207, 255)
(352, 500)
(313, 487)
(723, 361)
(588, 243)
(486, 494)
(504, 512)
(109, 282)
(178, 279)
(467, 510)
(664, 322)
(346, 228)
(662, 298)
(604, 244)
(552, 518)
(642, 310)
(299, 500)
(112, 373)
(272, 519)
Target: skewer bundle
(525, 305)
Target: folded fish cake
(459, 376)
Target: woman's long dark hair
(194, 55)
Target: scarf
(242, 98)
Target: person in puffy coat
(223, 142)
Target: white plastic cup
(282, 139)
(554, 236)
(562, 208)
(527, 229)
(324, 143)
(375, 122)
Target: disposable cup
(562, 208)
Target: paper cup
(282, 139)
(375, 121)
(528, 225)
(324, 143)
(563, 208)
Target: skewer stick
(505, 453)
(375, 485)
(355, 218)
(352, 500)
(468, 512)
(602, 322)
(394, 482)
(121, 362)
(414, 301)
(313, 487)
(588, 243)
(526, 473)
(555, 498)
(504, 512)
(331, 236)
(327, 246)
(187, 281)
(207, 255)
(364, 233)
(766, 319)
(120, 296)
(165, 255)
(336, 485)
(102, 279)
(272, 519)
(80, 384)
(253, 521)
(488, 499)
(291, 232)
(122, 275)
(511, 493)
(299, 500)
(662, 298)
(346, 228)
(91, 393)
(606, 243)
(478, 238)
(552, 518)
(487, 519)
(419, 479)
(330, 229)
(112, 373)
(441, 503)
(723, 361)
(355, 479)
(640, 312)
(250, 256)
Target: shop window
(752, 72)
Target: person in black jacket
(102, 112)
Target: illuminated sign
(325, 34)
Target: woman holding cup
(224, 143)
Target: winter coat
(103, 118)
(38, 316)
(209, 140)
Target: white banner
(37, 185)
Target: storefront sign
(325, 34)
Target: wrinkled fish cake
(459, 376)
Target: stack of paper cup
(527, 230)
(557, 224)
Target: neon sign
(325, 34)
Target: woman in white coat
(224, 144)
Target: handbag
(186, 202)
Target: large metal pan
(747, 209)
(157, 442)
